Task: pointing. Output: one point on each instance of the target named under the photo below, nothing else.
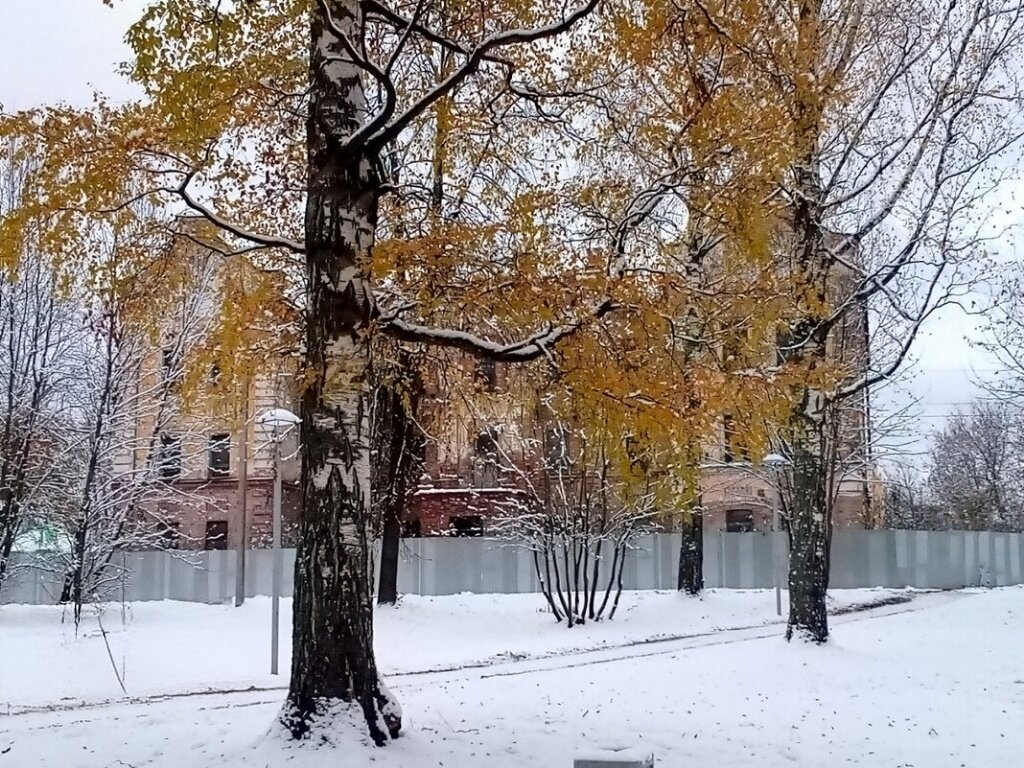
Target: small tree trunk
(544, 586)
(332, 647)
(391, 542)
(691, 553)
(592, 600)
(618, 585)
(9, 526)
(611, 581)
(398, 453)
(72, 590)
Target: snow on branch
(532, 347)
(263, 241)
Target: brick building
(461, 490)
(463, 487)
(200, 434)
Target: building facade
(220, 356)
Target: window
(214, 374)
(412, 529)
(739, 521)
(735, 448)
(486, 450)
(220, 455)
(487, 374)
(729, 431)
(556, 449)
(466, 525)
(487, 444)
(170, 456)
(170, 364)
(785, 342)
(216, 534)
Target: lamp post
(277, 419)
(776, 464)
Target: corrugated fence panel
(445, 566)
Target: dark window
(170, 456)
(735, 445)
(739, 521)
(412, 529)
(487, 444)
(215, 374)
(466, 525)
(216, 534)
(220, 454)
(784, 345)
(487, 374)
(170, 364)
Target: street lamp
(277, 419)
(776, 465)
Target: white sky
(63, 50)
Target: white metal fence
(443, 566)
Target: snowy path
(937, 682)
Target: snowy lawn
(173, 647)
(933, 683)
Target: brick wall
(214, 501)
(435, 508)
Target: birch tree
(308, 99)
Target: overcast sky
(63, 50)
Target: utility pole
(776, 466)
(243, 492)
(275, 605)
(277, 419)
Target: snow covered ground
(938, 681)
(175, 647)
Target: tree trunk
(691, 553)
(9, 528)
(809, 518)
(74, 580)
(333, 664)
(398, 453)
(391, 542)
(809, 542)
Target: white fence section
(444, 566)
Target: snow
(278, 417)
(231, 646)
(465, 491)
(934, 682)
